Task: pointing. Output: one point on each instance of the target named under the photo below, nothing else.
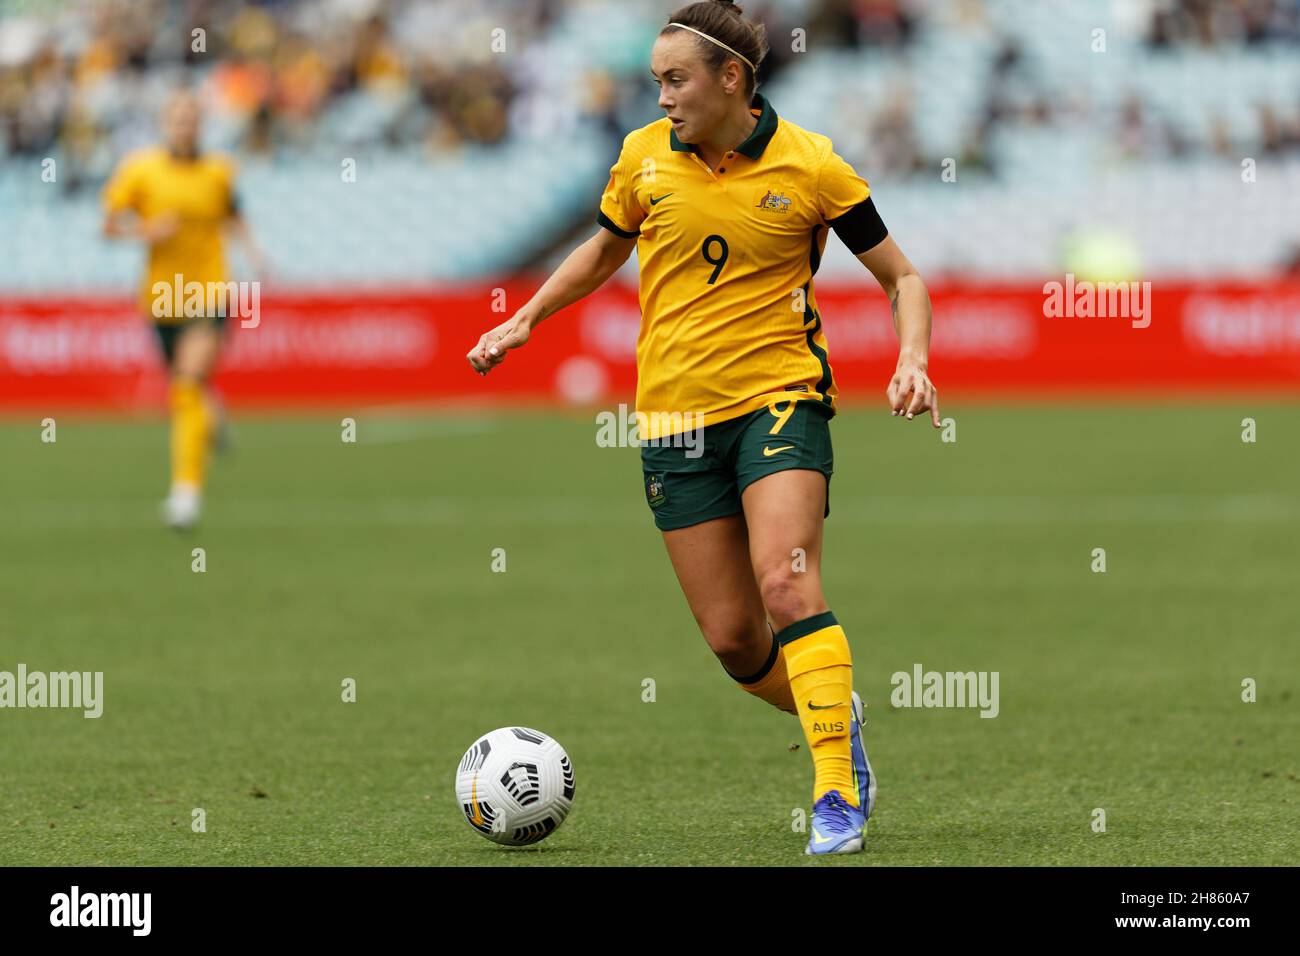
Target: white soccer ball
(515, 785)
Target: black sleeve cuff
(861, 228)
(603, 220)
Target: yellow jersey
(152, 182)
(729, 321)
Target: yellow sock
(772, 683)
(191, 425)
(821, 677)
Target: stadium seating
(416, 215)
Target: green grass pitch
(1119, 690)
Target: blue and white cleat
(863, 778)
(836, 826)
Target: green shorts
(687, 485)
(168, 333)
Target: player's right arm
(586, 268)
(583, 272)
(125, 224)
(122, 200)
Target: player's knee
(731, 640)
(790, 596)
(191, 367)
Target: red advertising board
(329, 348)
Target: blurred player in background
(181, 202)
(729, 231)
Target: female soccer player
(180, 202)
(728, 207)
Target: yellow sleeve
(122, 191)
(620, 212)
(840, 188)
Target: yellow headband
(718, 42)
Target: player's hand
(492, 346)
(911, 392)
(161, 227)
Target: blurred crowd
(1209, 23)
(1020, 92)
(85, 78)
(82, 79)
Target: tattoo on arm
(893, 306)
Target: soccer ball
(515, 785)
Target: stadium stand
(471, 164)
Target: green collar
(753, 146)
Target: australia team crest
(773, 202)
(654, 490)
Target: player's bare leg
(712, 563)
(784, 512)
(711, 560)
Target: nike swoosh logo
(769, 452)
(812, 706)
(819, 838)
(653, 201)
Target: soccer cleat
(836, 826)
(180, 509)
(863, 778)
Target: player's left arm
(237, 227)
(910, 391)
(845, 203)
